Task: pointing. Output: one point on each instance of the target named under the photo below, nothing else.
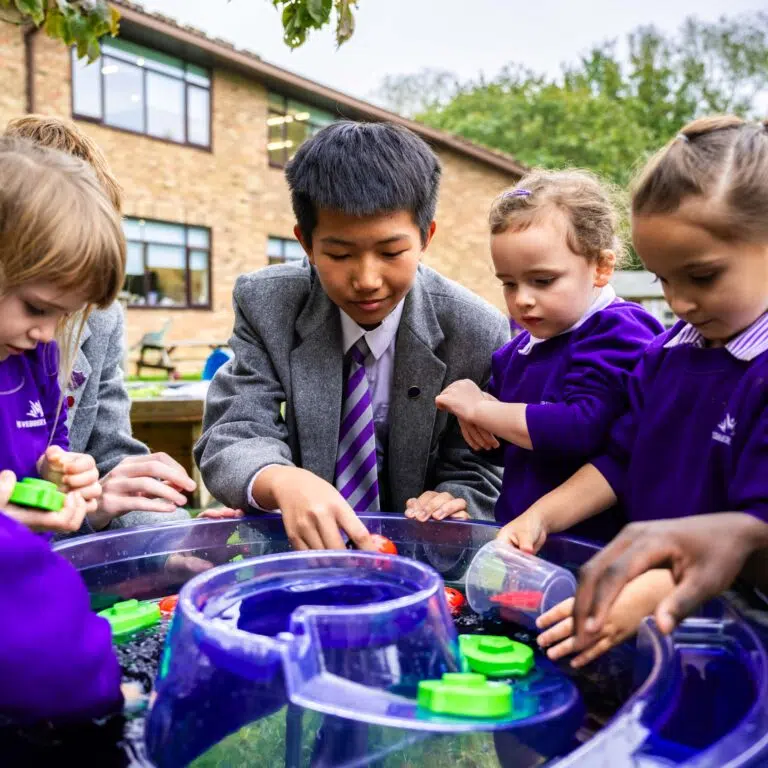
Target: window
(168, 265)
(289, 123)
(281, 250)
(144, 91)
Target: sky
(464, 36)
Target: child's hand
(67, 520)
(637, 600)
(313, 510)
(7, 484)
(72, 472)
(221, 513)
(461, 399)
(436, 505)
(528, 532)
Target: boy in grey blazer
(364, 196)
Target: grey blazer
(98, 413)
(287, 348)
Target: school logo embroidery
(725, 430)
(36, 414)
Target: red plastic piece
(525, 600)
(455, 599)
(383, 544)
(168, 604)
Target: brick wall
(233, 190)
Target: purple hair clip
(517, 193)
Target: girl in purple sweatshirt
(695, 438)
(61, 250)
(559, 385)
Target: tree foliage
(84, 22)
(607, 111)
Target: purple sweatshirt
(56, 657)
(576, 385)
(29, 399)
(697, 428)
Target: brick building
(197, 132)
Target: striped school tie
(356, 472)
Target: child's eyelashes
(705, 278)
(32, 310)
(392, 255)
(543, 282)
(337, 256)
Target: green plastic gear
(130, 616)
(40, 494)
(496, 655)
(466, 695)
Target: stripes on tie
(356, 470)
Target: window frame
(187, 272)
(283, 242)
(186, 83)
(272, 111)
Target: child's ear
(604, 268)
(430, 234)
(304, 244)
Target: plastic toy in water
(514, 584)
(130, 616)
(383, 544)
(465, 695)
(496, 655)
(40, 494)
(168, 604)
(456, 601)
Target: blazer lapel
(418, 378)
(316, 381)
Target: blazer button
(413, 392)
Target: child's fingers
(450, 508)
(86, 482)
(590, 654)
(78, 463)
(7, 484)
(564, 648)
(560, 612)
(468, 436)
(556, 634)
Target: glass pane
(275, 247)
(132, 228)
(198, 75)
(142, 56)
(165, 107)
(166, 271)
(123, 97)
(162, 232)
(296, 134)
(198, 116)
(134, 263)
(305, 113)
(293, 250)
(86, 86)
(276, 101)
(199, 290)
(198, 237)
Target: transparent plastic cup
(518, 586)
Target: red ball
(383, 544)
(168, 604)
(455, 599)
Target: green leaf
(315, 8)
(31, 8)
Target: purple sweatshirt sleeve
(594, 394)
(748, 491)
(56, 657)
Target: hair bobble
(517, 193)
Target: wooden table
(172, 425)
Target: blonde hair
(64, 135)
(593, 218)
(56, 225)
(722, 159)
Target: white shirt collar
(750, 343)
(604, 298)
(378, 339)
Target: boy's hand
(477, 438)
(221, 513)
(72, 472)
(7, 484)
(636, 600)
(704, 554)
(152, 483)
(528, 532)
(312, 509)
(437, 506)
(461, 399)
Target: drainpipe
(30, 34)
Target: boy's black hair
(363, 169)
